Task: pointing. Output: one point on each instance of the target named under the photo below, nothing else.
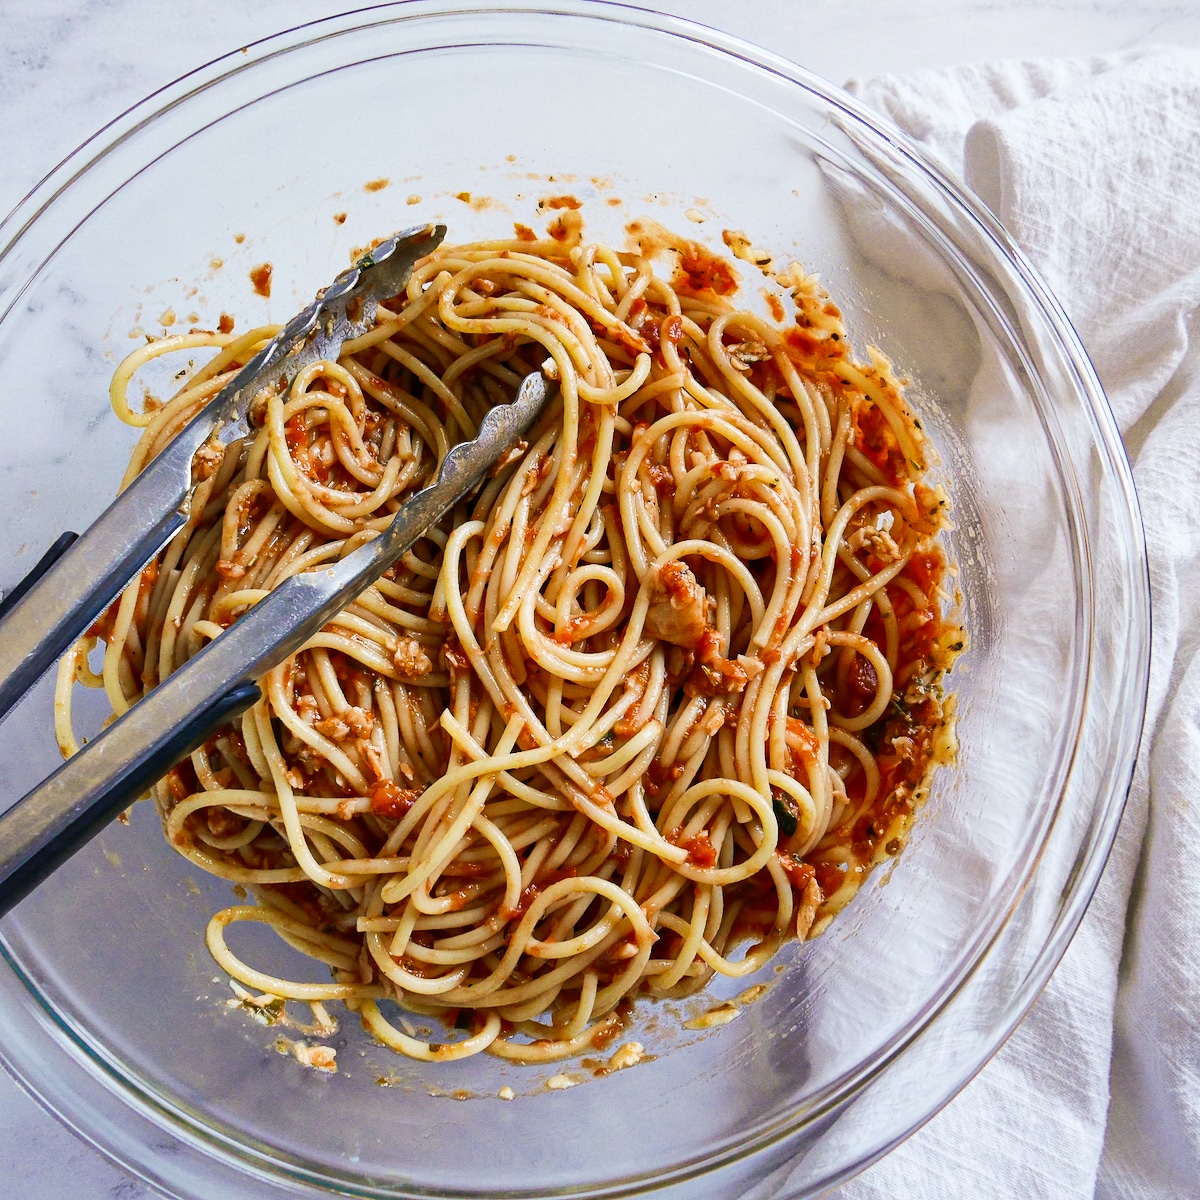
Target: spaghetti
(652, 702)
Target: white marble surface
(69, 66)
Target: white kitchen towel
(1093, 166)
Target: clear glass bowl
(110, 1010)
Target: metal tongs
(79, 577)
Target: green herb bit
(786, 813)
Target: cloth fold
(1093, 167)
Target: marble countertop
(69, 66)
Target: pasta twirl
(651, 702)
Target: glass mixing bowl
(111, 1011)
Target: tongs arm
(52, 609)
(53, 820)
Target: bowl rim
(77, 1057)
